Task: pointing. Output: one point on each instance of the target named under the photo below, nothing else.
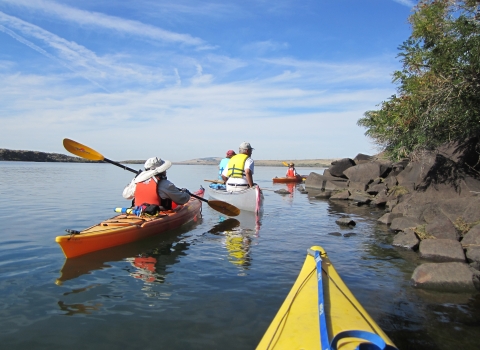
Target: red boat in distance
(287, 179)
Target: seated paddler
(291, 171)
(152, 187)
(238, 175)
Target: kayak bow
(326, 306)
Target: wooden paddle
(216, 181)
(88, 153)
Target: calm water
(216, 284)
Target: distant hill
(298, 162)
(35, 156)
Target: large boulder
(362, 158)
(325, 183)
(433, 177)
(342, 195)
(339, 166)
(380, 199)
(357, 186)
(461, 207)
(441, 250)
(398, 167)
(442, 227)
(407, 239)
(366, 172)
(472, 237)
(473, 254)
(403, 222)
(463, 153)
(390, 181)
(387, 218)
(360, 198)
(374, 189)
(449, 277)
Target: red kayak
(127, 228)
(287, 179)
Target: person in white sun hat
(151, 186)
(238, 174)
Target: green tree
(438, 98)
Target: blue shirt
(223, 164)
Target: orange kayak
(127, 228)
(288, 179)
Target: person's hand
(184, 190)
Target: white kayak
(250, 199)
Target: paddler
(151, 186)
(291, 172)
(224, 162)
(239, 172)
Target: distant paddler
(291, 172)
(224, 162)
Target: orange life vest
(291, 172)
(146, 192)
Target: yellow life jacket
(236, 166)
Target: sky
(186, 79)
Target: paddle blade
(285, 163)
(224, 207)
(81, 150)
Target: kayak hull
(288, 179)
(296, 324)
(127, 228)
(250, 199)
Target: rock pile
(431, 202)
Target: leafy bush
(438, 97)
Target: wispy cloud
(99, 20)
(181, 111)
(5, 18)
(409, 3)
(263, 47)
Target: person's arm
(166, 189)
(249, 177)
(224, 174)
(129, 190)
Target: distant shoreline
(35, 156)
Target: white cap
(245, 145)
(152, 163)
(153, 167)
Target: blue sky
(184, 79)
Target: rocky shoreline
(431, 202)
(35, 156)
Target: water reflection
(224, 225)
(73, 309)
(237, 240)
(238, 246)
(238, 236)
